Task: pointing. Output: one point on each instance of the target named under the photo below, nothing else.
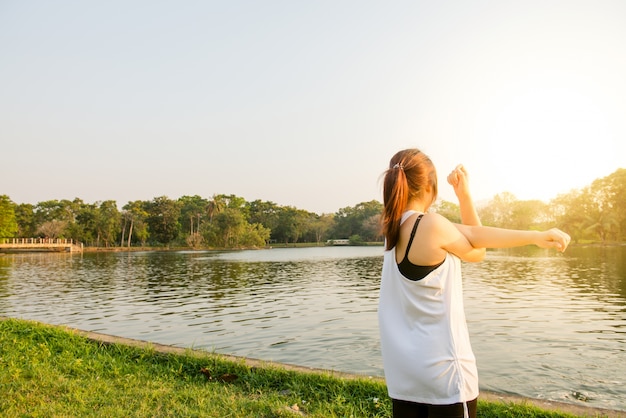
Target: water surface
(542, 324)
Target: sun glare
(538, 138)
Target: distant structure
(338, 242)
(41, 244)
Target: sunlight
(538, 138)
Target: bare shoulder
(427, 249)
(439, 230)
(437, 222)
(429, 222)
(407, 226)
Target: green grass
(48, 371)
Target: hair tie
(398, 165)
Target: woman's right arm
(459, 181)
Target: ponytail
(410, 172)
(396, 197)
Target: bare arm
(450, 238)
(459, 180)
(490, 237)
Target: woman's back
(424, 339)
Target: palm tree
(216, 205)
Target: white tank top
(427, 356)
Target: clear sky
(303, 103)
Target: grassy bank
(48, 371)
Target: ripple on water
(541, 325)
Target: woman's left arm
(491, 237)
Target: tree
(595, 212)
(227, 227)
(86, 230)
(371, 228)
(64, 212)
(107, 222)
(194, 240)
(163, 216)
(264, 213)
(192, 211)
(499, 211)
(352, 220)
(616, 185)
(25, 218)
(215, 206)
(80, 218)
(230, 229)
(254, 235)
(292, 223)
(52, 229)
(234, 202)
(49, 210)
(605, 225)
(8, 222)
(135, 216)
(528, 214)
(449, 210)
(570, 212)
(609, 194)
(356, 240)
(321, 226)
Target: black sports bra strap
(408, 247)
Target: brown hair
(409, 174)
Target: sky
(303, 103)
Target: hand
(458, 179)
(554, 238)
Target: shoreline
(217, 249)
(490, 396)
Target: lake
(543, 325)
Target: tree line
(594, 213)
(223, 221)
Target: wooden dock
(40, 244)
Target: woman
(429, 365)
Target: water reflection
(542, 324)
(599, 269)
(560, 319)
